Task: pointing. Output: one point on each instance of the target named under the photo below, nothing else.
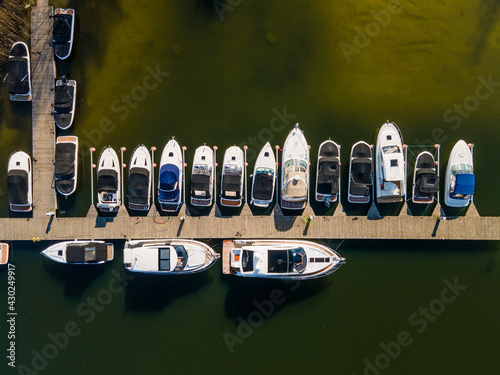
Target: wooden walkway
(43, 74)
(402, 227)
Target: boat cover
(138, 186)
(89, 252)
(427, 182)
(107, 180)
(231, 183)
(18, 78)
(362, 150)
(169, 177)
(64, 163)
(17, 186)
(263, 186)
(329, 149)
(279, 261)
(361, 177)
(200, 182)
(425, 160)
(328, 175)
(465, 184)
(63, 105)
(62, 28)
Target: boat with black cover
(264, 178)
(64, 102)
(19, 182)
(232, 178)
(139, 180)
(19, 73)
(66, 164)
(80, 252)
(360, 173)
(425, 179)
(108, 181)
(202, 177)
(63, 32)
(328, 173)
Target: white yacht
(171, 177)
(279, 259)
(19, 182)
(328, 173)
(390, 186)
(80, 252)
(459, 179)
(64, 103)
(140, 179)
(202, 177)
(168, 256)
(425, 179)
(108, 181)
(63, 32)
(19, 73)
(360, 173)
(4, 253)
(264, 178)
(66, 164)
(232, 178)
(295, 171)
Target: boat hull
(20, 52)
(328, 167)
(262, 194)
(139, 191)
(19, 169)
(62, 49)
(62, 117)
(460, 155)
(202, 177)
(80, 252)
(172, 162)
(420, 165)
(232, 174)
(109, 200)
(361, 166)
(73, 140)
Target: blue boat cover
(465, 184)
(169, 177)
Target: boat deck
(4, 253)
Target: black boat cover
(425, 161)
(62, 28)
(279, 261)
(18, 78)
(64, 164)
(263, 186)
(328, 175)
(63, 104)
(107, 180)
(138, 186)
(200, 182)
(17, 185)
(362, 150)
(427, 182)
(231, 183)
(329, 149)
(361, 177)
(90, 252)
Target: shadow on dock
(248, 297)
(76, 278)
(155, 292)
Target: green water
(229, 76)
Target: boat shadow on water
(250, 296)
(154, 292)
(76, 278)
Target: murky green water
(233, 74)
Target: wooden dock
(246, 226)
(43, 75)
(153, 226)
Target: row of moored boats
(273, 259)
(389, 169)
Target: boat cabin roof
(107, 180)
(138, 186)
(90, 252)
(263, 185)
(64, 163)
(17, 186)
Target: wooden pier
(245, 226)
(43, 75)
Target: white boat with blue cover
(170, 177)
(264, 178)
(168, 257)
(459, 179)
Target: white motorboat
(168, 256)
(19, 73)
(390, 168)
(64, 103)
(328, 173)
(279, 259)
(425, 179)
(459, 179)
(66, 164)
(108, 181)
(170, 178)
(232, 178)
(202, 177)
(264, 178)
(140, 179)
(19, 182)
(63, 32)
(80, 252)
(4, 253)
(295, 171)
(360, 173)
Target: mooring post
(92, 166)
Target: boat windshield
(202, 169)
(232, 169)
(264, 171)
(247, 261)
(393, 149)
(286, 261)
(295, 165)
(182, 257)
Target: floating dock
(44, 226)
